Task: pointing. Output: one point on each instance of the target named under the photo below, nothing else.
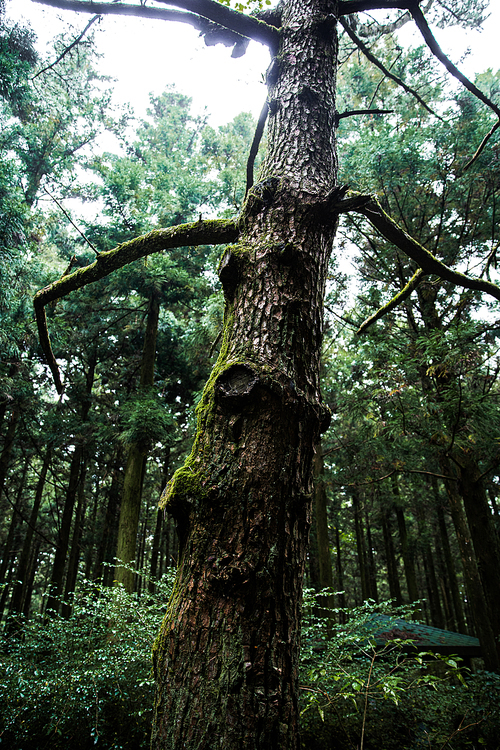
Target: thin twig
(370, 56)
(353, 112)
(71, 221)
(65, 52)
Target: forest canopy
(214, 426)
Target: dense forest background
(407, 503)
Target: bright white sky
(147, 55)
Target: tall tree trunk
(371, 567)
(136, 463)
(10, 550)
(472, 578)
(436, 612)
(107, 542)
(32, 568)
(449, 562)
(361, 548)
(20, 590)
(484, 538)
(322, 537)
(75, 477)
(74, 555)
(339, 570)
(226, 659)
(155, 562)
(91, 534)
(406, 551)
(390, 557)
(59, 564)
(7, 448)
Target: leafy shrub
(357, 696)
(84, 681)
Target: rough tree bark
(227, 655)
(226, 659)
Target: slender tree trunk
(155, 562)
(10, 550)
(473, 583)
(32, 568)
(391, 561)
(20, 590)
(91, 534)
(7, 448)
(154, 566)
(436, 611)
(74, 555)
(75, 477)
(484, 538)
(361, 548)
(107, 542)
(58, 568)
(371, 567)
(406, 551)
(450, 565)
(226, 660)
(431, 581)
(339, 570)
(136, 463)
(322, 536)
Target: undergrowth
(86, 682)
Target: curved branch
(249, 26)
(394, 302)
(370, 56)
(436, 50)
(204, 14)
(183, 235)
(374, 212)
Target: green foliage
(17, 58)
(356, 694)
(146, 420)
(85, 680)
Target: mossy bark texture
(226, 658)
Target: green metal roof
(425, 638)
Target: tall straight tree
(227, 655)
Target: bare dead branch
(370, 56)
(436, 50)
(67, 49)
(354, 112)
(394, 302)
(61, 207)
(259, 130)
(183, 235)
